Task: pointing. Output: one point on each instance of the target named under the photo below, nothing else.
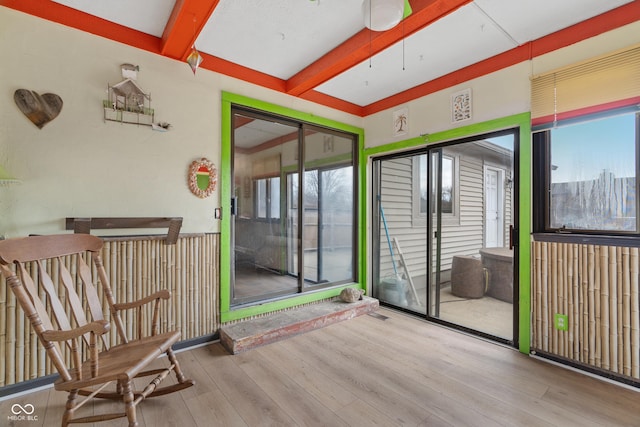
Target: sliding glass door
(278, 230)
(445, 217)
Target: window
(449, 188)
(587, 172)
(448, 191)
(267, 199)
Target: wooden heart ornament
(40, 109)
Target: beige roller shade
(604, 80)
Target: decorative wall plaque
(461, 106)
(40, 109)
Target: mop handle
(386, 232)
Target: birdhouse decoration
(127, 102)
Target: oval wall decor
(202, 178)
(40, 109)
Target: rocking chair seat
(122, 362)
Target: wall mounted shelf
(85, 225)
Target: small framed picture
(400, 122)
(461, 106)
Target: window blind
(602, 81)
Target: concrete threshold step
(249, 334)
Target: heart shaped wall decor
(40, 109)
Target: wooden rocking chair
(91, 364)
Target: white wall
(78, 165)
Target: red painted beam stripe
(332, 102)
(462, 75)
(228, 68)
(367, 43)
(64, 15)
(608, 21)
(592, 27)
(565, 115)
(187, 20)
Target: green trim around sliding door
(227, 313)
(523, 122)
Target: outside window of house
(267, 197)
(420, 196)
(591, 172)
(447, 185)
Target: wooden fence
(136, 267)
(597, 288)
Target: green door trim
(227, 312)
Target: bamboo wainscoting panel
(136, 267)
(597, 288)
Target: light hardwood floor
(371, 371)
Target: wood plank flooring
(370, 371)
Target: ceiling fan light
(382, 15)
(194, 59)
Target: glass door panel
(400, 273)
(263, 150)
(292, 223)
(473, 213)
(328, 235)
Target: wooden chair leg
(174, 361)
(130, 406)
(70, 408)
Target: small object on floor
(351, 294)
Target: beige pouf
(467, 280)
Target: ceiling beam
(592, 27)
(187, 20)
(367, 43)
(70, 17)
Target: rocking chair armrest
(99, 327)
(163, 294)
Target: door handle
(512, 236)
(234, 206)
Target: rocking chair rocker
(64, 262)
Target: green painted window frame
(523, 122)
(227, 312)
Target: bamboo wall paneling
(10, 356)
(613, 306)
(3, 331)
(553, 295)
(597, 287)
(575, 303)
(136, 266)
(626, 312)
(586, 304)
(545, 306)
(562, 275)
(604, 319)
(635, 314)
(566, 253)
(591, 331)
